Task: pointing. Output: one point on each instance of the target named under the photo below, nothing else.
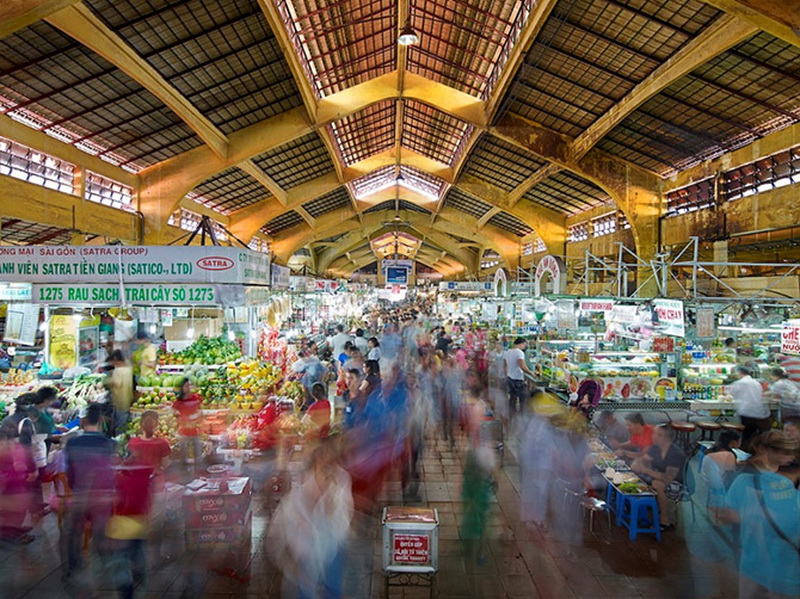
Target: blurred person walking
(766, 507)
(747, 396)
(91, 476)
(310, 529)
(120, 385)
(17, 473)
(515, 371)
(188, 409)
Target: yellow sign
(62, 332)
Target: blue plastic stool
(614, 502)
(634, 517)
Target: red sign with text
(790, 338)
(411, 549)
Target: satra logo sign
(215, 263)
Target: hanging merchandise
(706, 320)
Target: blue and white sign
(397, 275)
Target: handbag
(38, 446)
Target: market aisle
(519, 564)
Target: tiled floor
(520, 563)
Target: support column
(720, 249)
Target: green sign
(147, 295)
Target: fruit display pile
(206, 350)
(293, 390)
(167, 428)
(170, 381)
(263, 430)
(154, 398)
(243, 386)
(16, 377)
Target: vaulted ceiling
(304, 120)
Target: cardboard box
(205, 496)
(220, 537)
(222, 519)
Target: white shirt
(338, 341)
(746, 393)
(786, 392)
(512, 358)
(374, 354)
(362, 345)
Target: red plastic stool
(707, 427)
(683, 431)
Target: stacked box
(217, 516)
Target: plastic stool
(637, 509)
(707, 427)
(683, 431)
(614, 502)
(732, 426)
(594, 505)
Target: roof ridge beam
(81, 24)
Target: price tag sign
(411, 549)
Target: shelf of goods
(238, 392)
(622, 375)
(13, 387)
(706, 381)
(553, 360)
(629, 375)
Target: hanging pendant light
(408, 36)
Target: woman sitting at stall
(661, 465)
(641, 437)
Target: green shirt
(45, 424)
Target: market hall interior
(382, 298)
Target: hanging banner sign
(596, 305)
(790, 338)
(62, 332)
(300, 284)
(706, 318)
(22, 322)
(553, 267)
(15, 292)
(624, 314)
(149, 295)
(466, 286)
(134, 264)
(670, 317)
(280, 277)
